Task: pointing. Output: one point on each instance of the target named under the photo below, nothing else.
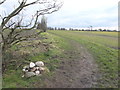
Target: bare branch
(14, 25)
(15, 12)
(2, 2)
(17, 41)
(51, 9)
(8, 26)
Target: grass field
(102, 45)
(104, 48)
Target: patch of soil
(77, 69)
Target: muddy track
(77, 69)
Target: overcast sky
(83, 13)
(80, 14)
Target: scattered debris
(34, 69)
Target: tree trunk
(0, 55)
(4, 61)
(3, 53)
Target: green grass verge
(12, 78)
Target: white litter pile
(34, 69)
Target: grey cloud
(98, 17)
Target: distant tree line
(43, 27)
(51, 28)
(72, 29)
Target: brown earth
(77, 69)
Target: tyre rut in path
(77, 69)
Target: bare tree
(43, 24)
(13, 24)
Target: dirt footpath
(77, 69)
